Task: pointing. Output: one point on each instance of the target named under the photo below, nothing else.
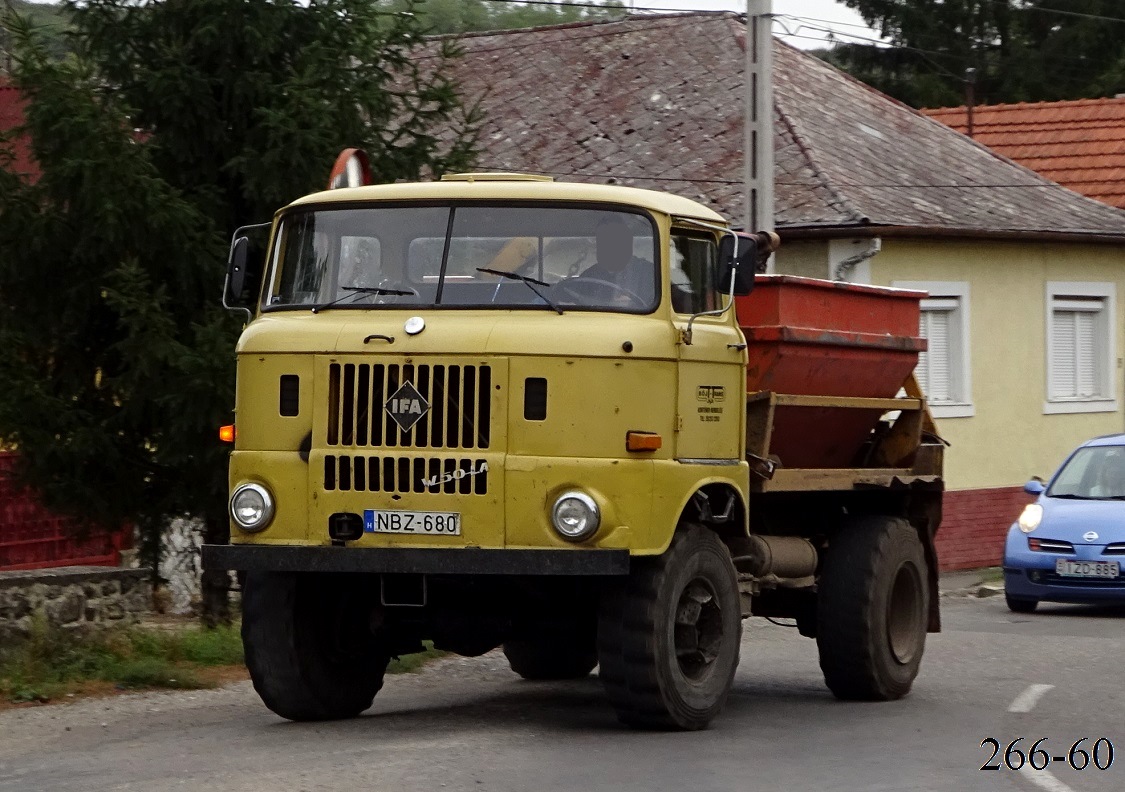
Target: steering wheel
(569, 285)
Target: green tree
(177, 122)
(1019, 50)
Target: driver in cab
(624, 279)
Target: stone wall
(76, 597)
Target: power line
(1042, 10)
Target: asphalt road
(473, 725)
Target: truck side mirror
(739, 263)
(244, 268)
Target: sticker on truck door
(712, 395)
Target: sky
(831, 14)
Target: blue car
(1069, 545)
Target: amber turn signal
(642, 441)
(227, 433)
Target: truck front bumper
(412, 560)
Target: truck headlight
(1031, 517)
(251, 507)
(575, 516)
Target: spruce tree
(175, 123)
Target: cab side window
(694, 274)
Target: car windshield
(541, 257)
(1093, 472)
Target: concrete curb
(979, 583)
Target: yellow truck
(567, 420)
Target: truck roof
(516, 188)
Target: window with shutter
(943, 370)
(1080, 356)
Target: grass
(992, 575)
(408, 664)
(53, 664)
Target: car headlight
(251, 507)
(575, 516)
(1031, 517)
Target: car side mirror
(244, 268)
(738, 263)
(1034, 487)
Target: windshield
(545, 257)
(1093, 472)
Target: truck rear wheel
(668, 636)
(871, 611)
(309, 647)
(563, 656)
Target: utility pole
(758, 125)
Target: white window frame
(1058, 291)
(952, 296)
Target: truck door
(711, 392)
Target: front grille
(1055, 579)
(459, 402)
(344, 473)
(1117, 548)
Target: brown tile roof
(11, 116)
(656, 101)
(1079, 144)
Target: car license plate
(412, 522)
(1097, 569)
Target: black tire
(309, 648)
(655, 674)
(542, 658)
(1021, 605)
(872, 609)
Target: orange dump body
(821, 338)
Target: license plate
(412, 522)
(1096, 569)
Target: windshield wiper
(355, 291)
(531, 283)
(1071, 496)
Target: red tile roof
(657, 101)
(11, 116)
(1079, 144)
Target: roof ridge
(581, 23)
(821, 176)
(1011, 106)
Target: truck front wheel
(668, 636)
(309, 647)
(871, 609)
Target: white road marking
(1044, 780)
(1026, 701)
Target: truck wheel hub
(698, 632)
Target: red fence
(31, 537)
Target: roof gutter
(941, 232)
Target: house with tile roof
(1023, 322)
(1080, 144)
